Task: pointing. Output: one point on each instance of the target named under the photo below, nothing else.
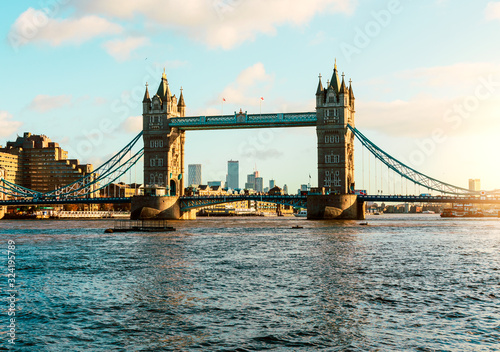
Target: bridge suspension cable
(407, 172)
(107, 173)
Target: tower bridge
(164, 136)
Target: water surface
(403, 283)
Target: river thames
(402, 283)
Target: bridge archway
(173, 188)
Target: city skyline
(426, 104)
(195, 172)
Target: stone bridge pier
(159, 207)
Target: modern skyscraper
(271, 184)
(194, 174)
(233, 174)
(259, 184)
(474, 184)
(250, 184)
(285, 189)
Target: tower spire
(164, 90)
(343, 88)
(335, 82)
(181, 102)
(319, 91)
(146, 95)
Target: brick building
(37, 163)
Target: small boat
(364, 223)
(301, 214)
(297, 227)
(140, 226)
(428, 212)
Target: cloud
(248, 86)
(458, 99)
(318, 39)
(34, 25)
(99, 101)
(423, 115)
(262, 155)
(459, 75)
(492, 11)
(219, 23)
(7, 125)
(44, 103)
(245, 92)
(412, 118)
(121, 49)
(132, 124)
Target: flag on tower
(223, 99)
(261, 98)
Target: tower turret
(351, 95)
(181, 105)
(344, 92)
(146, 102)
(320, 92)
(343, 88)
(320, 89)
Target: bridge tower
(334, 111)
(163, 157)
(163, 145)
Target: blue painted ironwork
(191, 202)
(244, 120)
(68, 200)
(408, 172)
(11, 189)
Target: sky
(426, 77)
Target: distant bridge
(43, 201)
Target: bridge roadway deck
(294, 200)
(244, 120)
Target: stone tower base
(340, 206)
(159, 207)
(2, 211)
